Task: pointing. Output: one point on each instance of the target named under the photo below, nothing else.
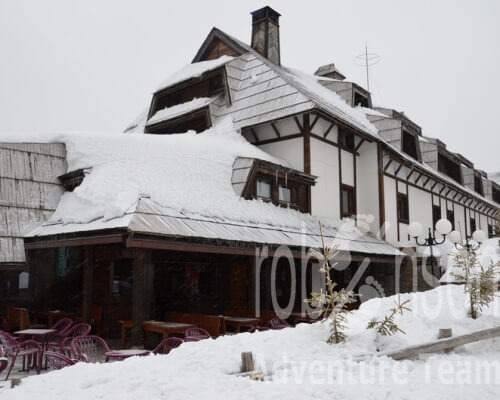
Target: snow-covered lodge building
(185, 229)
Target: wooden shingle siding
(29, 192)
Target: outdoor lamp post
(456, 238)
(443, 227)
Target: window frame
(346, 140)
(405, 219)
(352, 201)
(405, 137)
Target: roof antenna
(367, 60)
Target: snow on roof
(180, 109)
(495, 177)
(329, 100)
(180, 185)
(193, 71)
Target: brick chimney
(266, 33)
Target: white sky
(92, 64)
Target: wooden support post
(444, 333)
(307, 144)
(246, 361)
(138, 292)
(88, 276)
(381, 190)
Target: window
(403, 209)
(263, 189)
(496, 194)
(436, 215)
(361, 100)
(348, 201)
(210, 85)
(346, 140)
(284, 194)
(478, 184)
(472, 225)
(409, 145)
(449, 167)
(491, 230)
(197, 122)
(450, 216)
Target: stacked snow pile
(298, 362)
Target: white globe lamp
(415, 229)
(454, 237)
(479, 236)
(443, 226)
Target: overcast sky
(92, 65)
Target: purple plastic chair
(278, 323)
(61, 342)
(196, 334)
(14, 349)
(167, 344)
(89, 348)
(63, 325)
(58, 360)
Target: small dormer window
(496, 194)
(409, 144)
(449, 167)
(360, 100)
(210, 84)
(284, 194)
(478, 184)
(346, 140)
(263, 189)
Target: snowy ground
(300, 365)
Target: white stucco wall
(367, 184)
(347, 168)
(391, 232)
(325, 165)
(291, 151)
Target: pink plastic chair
(196, 334)
(167, 344)
(278, 323)
(61, 342)
(89, 348)
(13, 349)
(63, 325)
(58, 360)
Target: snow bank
(299, 363)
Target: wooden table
(39, 336)
(52, 316)
(165, 328)
(238, 322)
(123, 354)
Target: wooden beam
(47, 244)
(427, 181)
(275, 140)
(416, 180)
(433, 186)
(359, 145)
(328, 130)
(398, 169)
(448, 192)
(307, 144)
(254, 134)
(314, 122)
(138, 296)
(276, 131)
(301, 129)
(386, 167)
(456, 194)
(88, 278)
(410, 174)
(443, 344)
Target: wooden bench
(213, 324)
